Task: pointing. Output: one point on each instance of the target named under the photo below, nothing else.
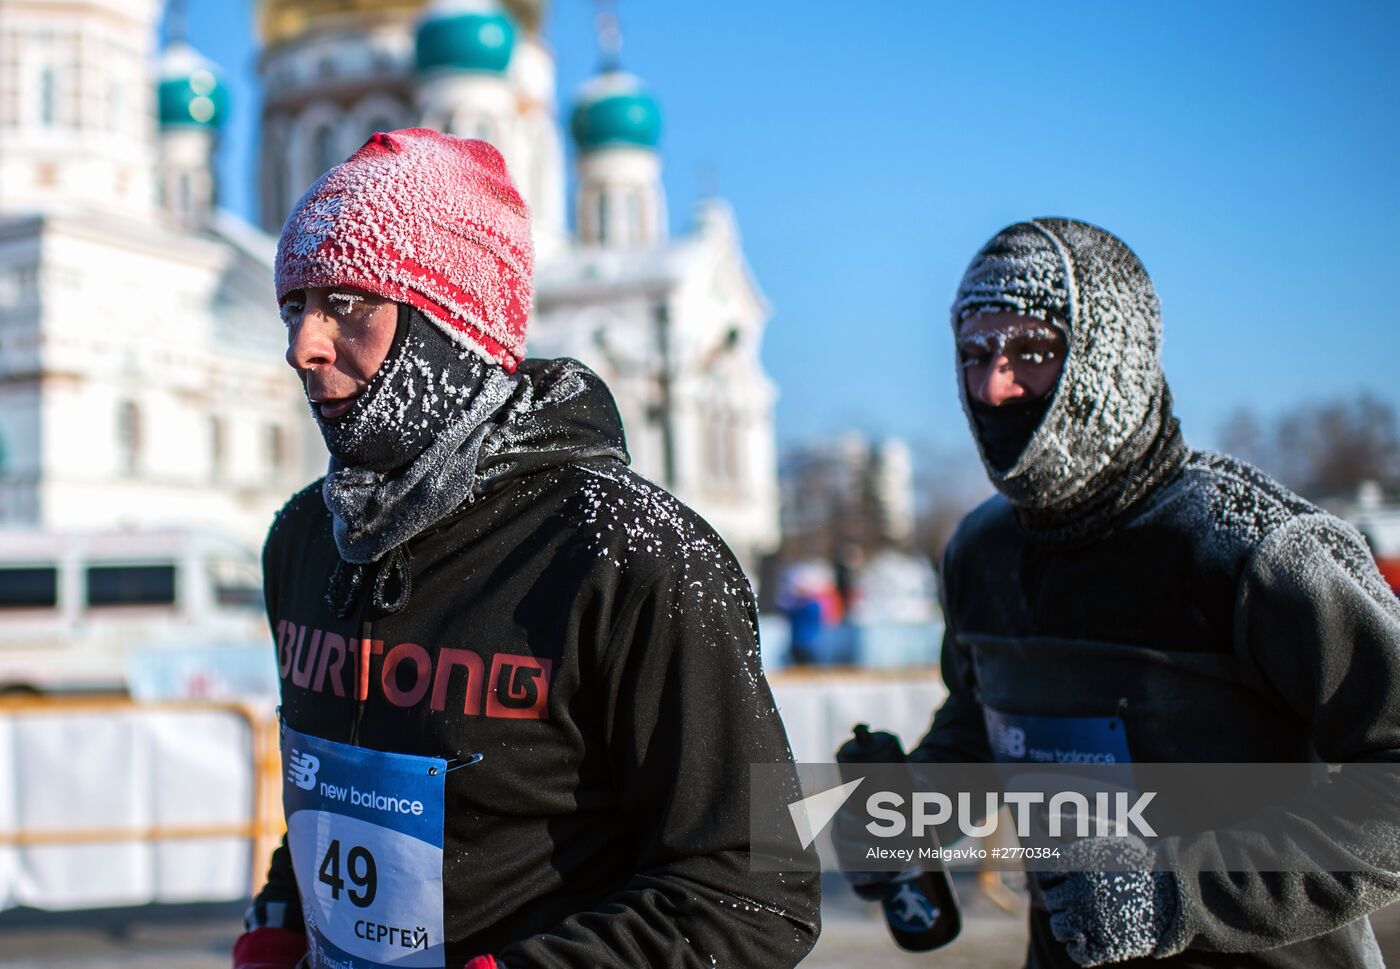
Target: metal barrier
(819, 707)
(260, 826)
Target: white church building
(674, 325)
(141, 372)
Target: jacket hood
(1111, 409)
(561, 413)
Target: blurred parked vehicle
(77, 607)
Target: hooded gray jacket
(1224, 618)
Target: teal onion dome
(465, 36)
(189, 92)
(615, 110)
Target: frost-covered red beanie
(423, 218)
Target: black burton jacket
(596, 642)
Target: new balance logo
(1010, 742)
(302, 769)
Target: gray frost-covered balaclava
(425, 381)
(1107, 435)
(407, 453)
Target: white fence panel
(819, 709)
(124, 806)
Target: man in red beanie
(520, 684)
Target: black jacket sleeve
(1317, 627)
(686, 711)
(277, 905)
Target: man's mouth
(332, 407)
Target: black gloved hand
(1110, 916)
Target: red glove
(269, 948)
(484, 962)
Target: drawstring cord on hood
(393, 571)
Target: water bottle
(919, 905)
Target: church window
(128, 437)
(733, 451)
(711, 446)
(116, 104)
(48, 96)
(602, 215)
(186, 200)
(634, 230)
(218, 446)
(325, 153)
(276, 450)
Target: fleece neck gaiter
(405, 455)
(425, 381)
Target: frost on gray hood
(1108, 435)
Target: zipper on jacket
(362, 659)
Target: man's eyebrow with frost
(347, 299)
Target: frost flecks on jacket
(608, 822)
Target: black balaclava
(1106, 435)
(405, 455)
(426, 380)
(1005, 430)
(1017, 272)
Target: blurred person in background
(520, 684)
(1209, 613)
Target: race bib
(365, 833)
(1017, 738)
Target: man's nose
(311, 341)
(999, 383)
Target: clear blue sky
(1246, 150)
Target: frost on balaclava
(406, 453)
(546, 414)
(425, 380)
(1107, 436)
(1017, 272)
